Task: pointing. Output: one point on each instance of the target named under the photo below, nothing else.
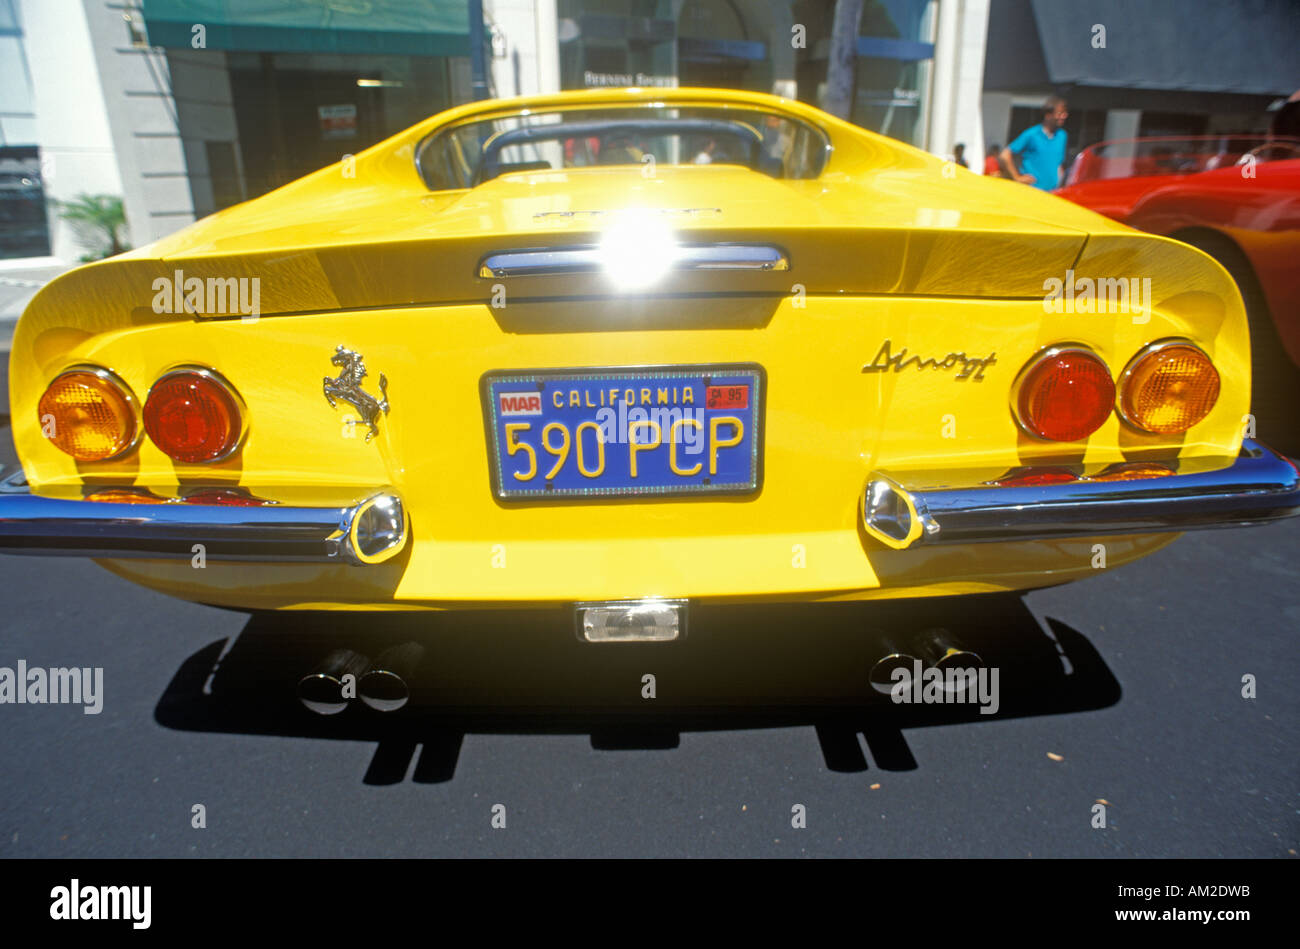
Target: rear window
(474, 152)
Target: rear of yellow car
(639, 384)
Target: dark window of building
(226, 186)
(24, 227)
(299, 112)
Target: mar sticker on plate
(623, 432)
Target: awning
(881, 47)
(696, 50)
(887, 47)
(390, 27)
(1234, 46)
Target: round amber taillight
(193, 416)
(1064, 395)
(88, 413)
(1168, 388)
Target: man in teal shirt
(1039, 149)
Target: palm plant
(98, 221)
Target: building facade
(918, 66)
(183, 107)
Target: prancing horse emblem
(348, 388)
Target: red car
(1238, 199)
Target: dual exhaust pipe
(345, 675)
(934, 648)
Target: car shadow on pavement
(739, 667)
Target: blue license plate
(665, 430)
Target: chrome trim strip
(30, 524)
(1260, 486)
(555, 261)
(606, 212)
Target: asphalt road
(1132, 679)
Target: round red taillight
(1064, 394)
(193, 416)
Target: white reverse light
(637, 249)
(646, 621)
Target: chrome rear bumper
(1260, 486)
(366, 532)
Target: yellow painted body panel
(888, 244)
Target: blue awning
(698, 50)
(388, 27)
(884, 47)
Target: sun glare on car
(637, 249)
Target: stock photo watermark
(933, 686)
(76, 902)
(55, 686)
(1127, 295)
(213, 296)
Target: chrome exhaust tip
(882, 673)
(384, 686)
(326, 689)
(941, 650)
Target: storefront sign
(337, 121)
(591, 79)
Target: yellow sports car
(622, 350)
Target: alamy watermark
(102, 902)
(682, 426)
(214, 296)
(934, 686)
(57, 686)
(1098, 295)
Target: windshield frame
(743, 113)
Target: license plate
(564, 433)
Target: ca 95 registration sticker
(565, 433)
